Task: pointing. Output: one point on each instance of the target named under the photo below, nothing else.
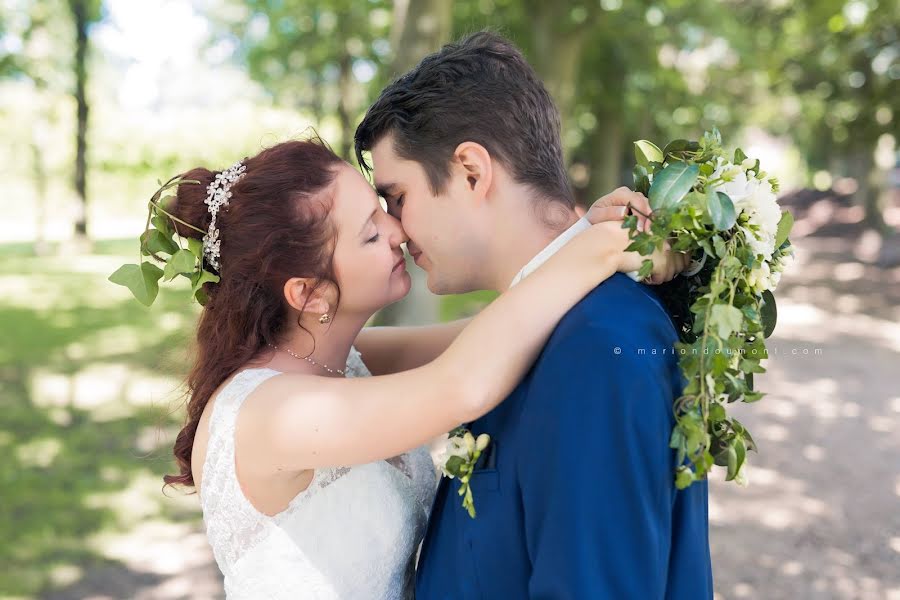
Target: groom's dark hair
(478, 89)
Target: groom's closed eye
(395, 206)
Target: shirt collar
(552, 248)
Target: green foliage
(162, 243)
(731, 307)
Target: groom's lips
(415, 256)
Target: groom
(575, 495)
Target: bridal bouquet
(722, 209)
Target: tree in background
(83, 13)
(314, 56)
(833, 68)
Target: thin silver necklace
(308, 359)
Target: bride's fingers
(601, 214)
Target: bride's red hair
(275, 227)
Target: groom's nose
(396, 234)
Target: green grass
(87, 388)
(88, 392)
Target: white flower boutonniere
(457, 458)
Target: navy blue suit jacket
(578, 500)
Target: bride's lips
(400, 263)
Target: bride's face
(368, 260)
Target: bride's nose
(396, 234)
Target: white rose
(759, 278)
(453, 446)
(761, 207)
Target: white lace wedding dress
(352, 534)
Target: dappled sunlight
(139, 500)
(106, 390)
(39, 453)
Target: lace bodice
(353, 533)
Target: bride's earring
(325, 319)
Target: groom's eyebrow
(384, 189)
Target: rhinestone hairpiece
(217, 195)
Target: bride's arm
(304, 422)
(388, 350)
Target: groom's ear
(475, 162)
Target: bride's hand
(608, 213)
(618, 204)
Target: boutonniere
(457, 458)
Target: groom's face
(442, 228)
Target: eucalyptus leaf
(768, 313)
(142, 280)
(785, 224)
(721, 210)
(672, 184)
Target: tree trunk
(420, 27)
(868, 194)
(607, 141)
(557, 56)
(79, 12)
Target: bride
(312, 475)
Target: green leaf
(683, 477)
(739, 156)
(454, 465)
(680, 146)
(161, 222)
(784, 228)
(182, 261)
(732, 463)
(719, 245)
(721, 210)
(195, 246)
(768, 313)
(158, 242)
(646, 152)
(726, 318)
(641, 180)
(671, 184)
(197, 281)
(646, 268)
(143, 280)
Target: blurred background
(99, 99)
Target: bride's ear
(475, 162)
(300, 294)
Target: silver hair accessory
(217, 194)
